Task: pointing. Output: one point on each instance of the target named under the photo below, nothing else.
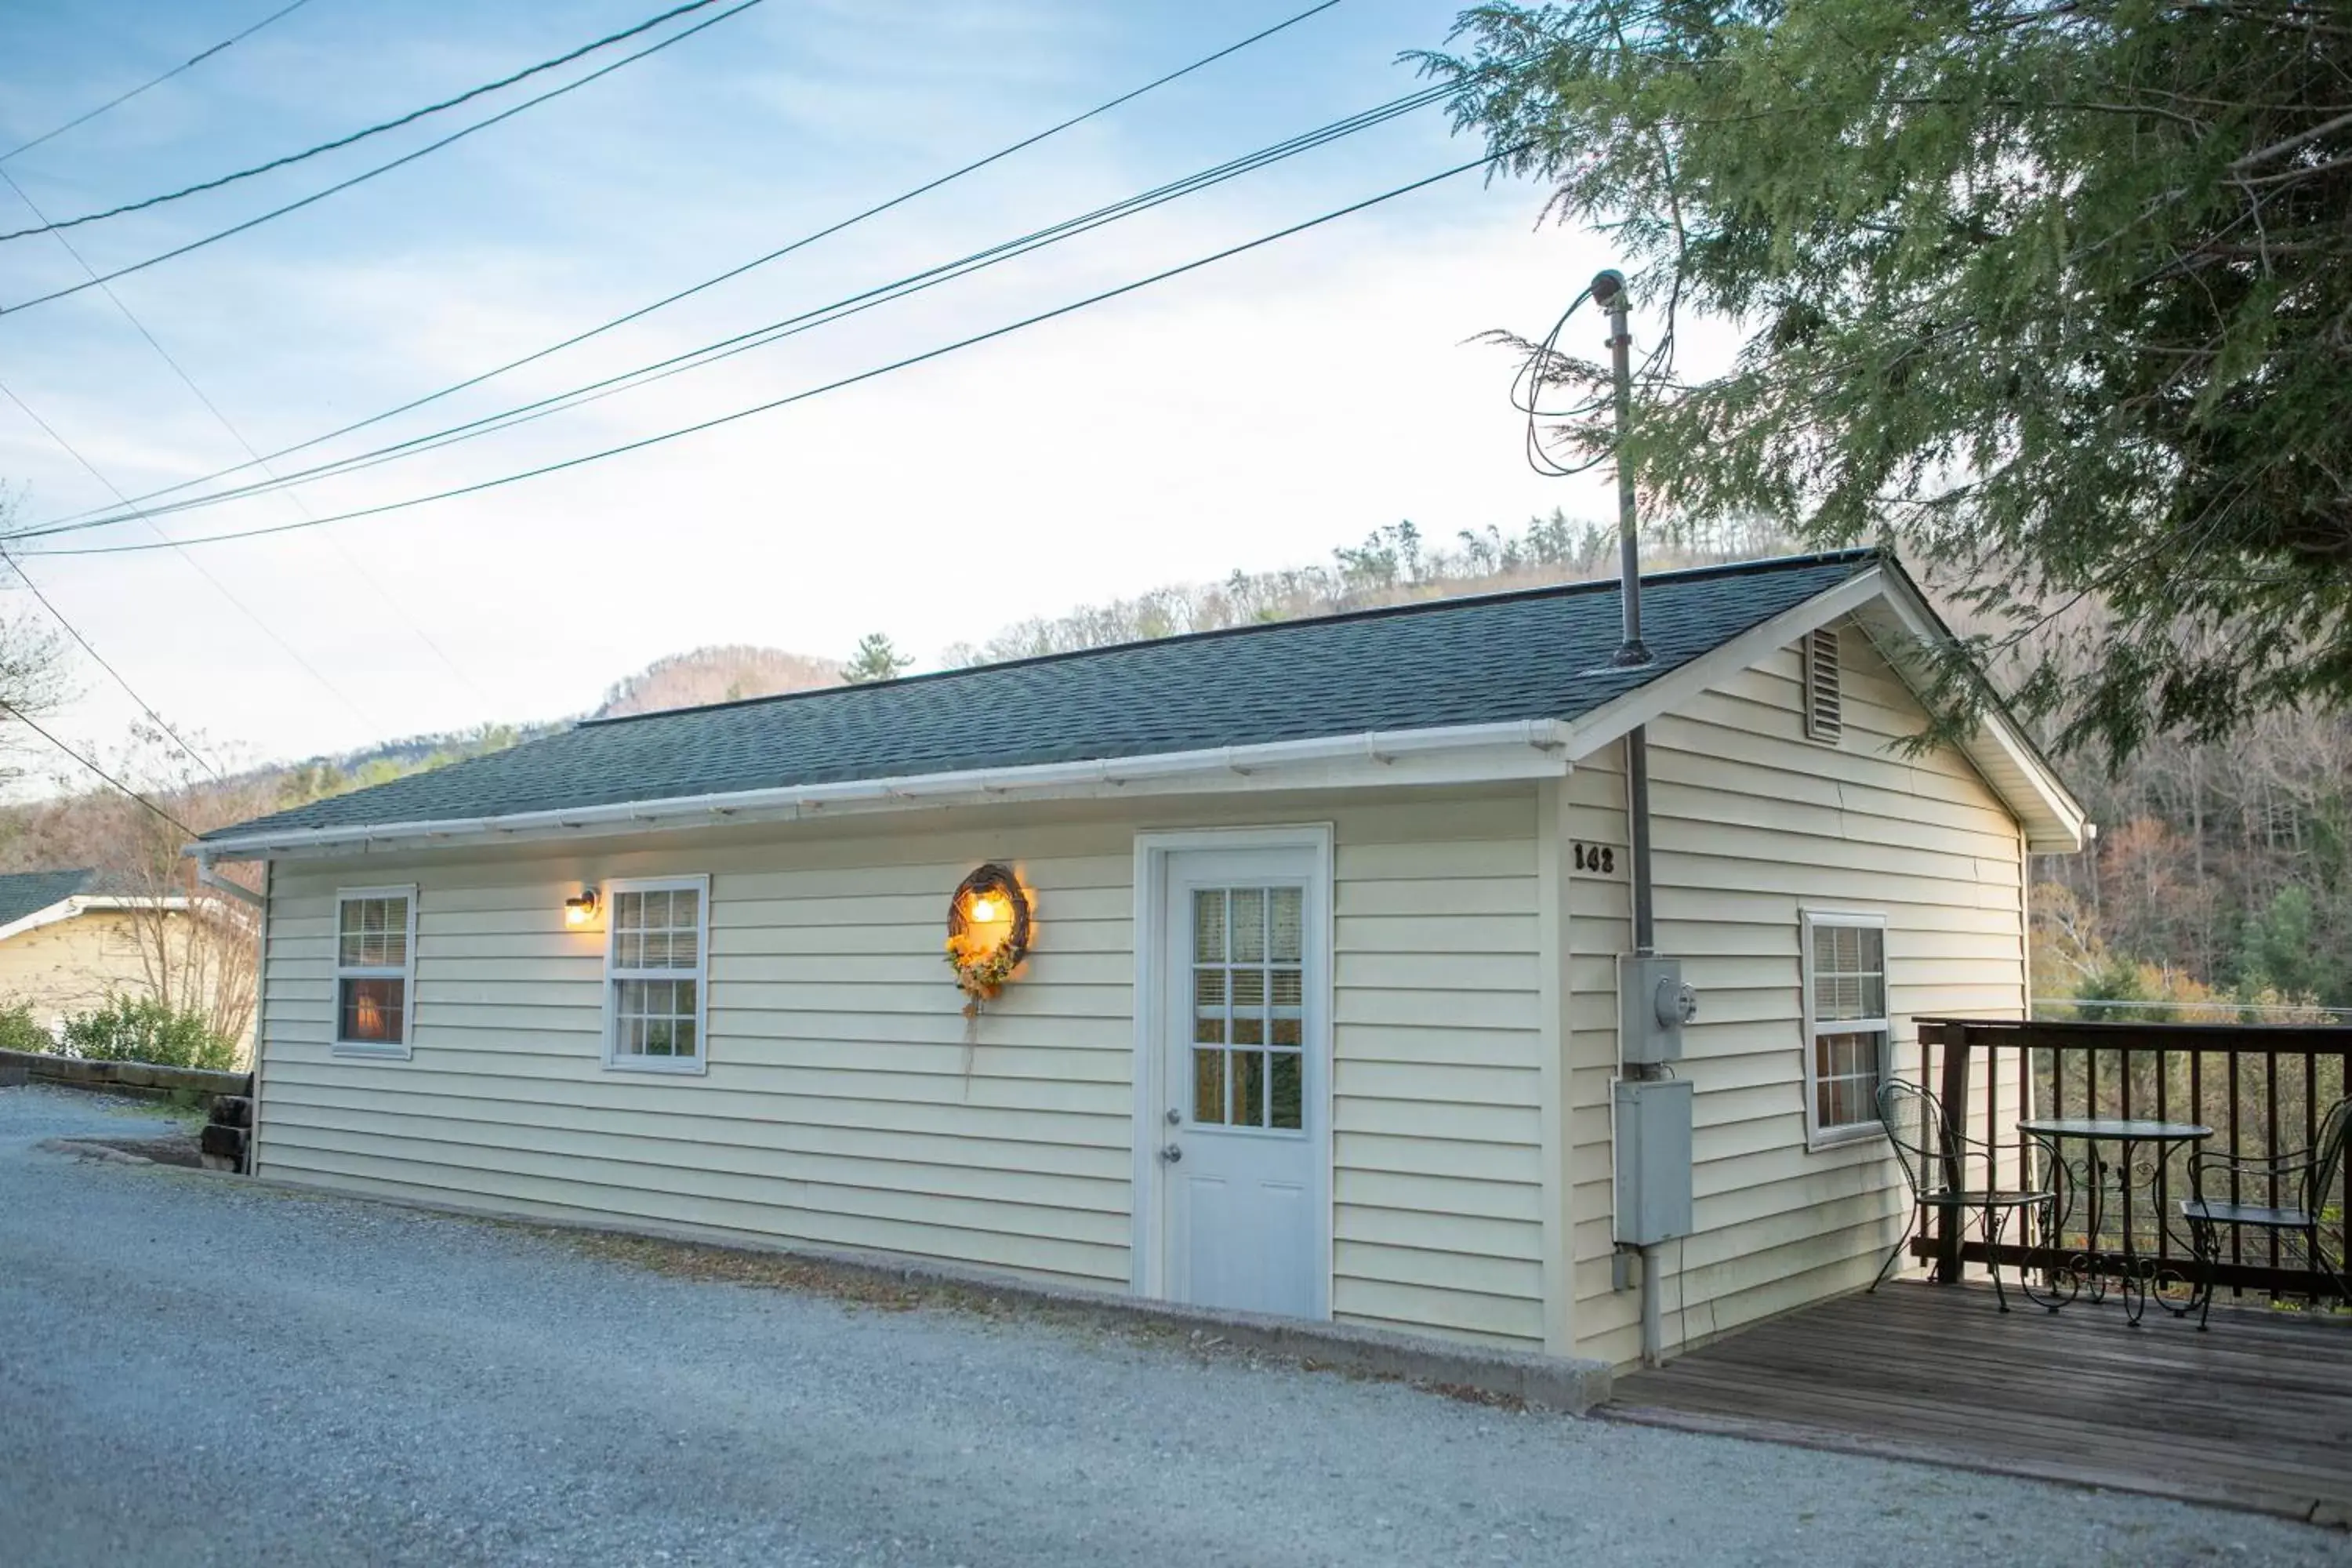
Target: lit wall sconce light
(580, 912)
(988, 934)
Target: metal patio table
(2139, 1274)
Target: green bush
(20, 1031)
(142, 1030)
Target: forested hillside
(2222, 877)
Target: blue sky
(1250, 415)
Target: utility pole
(1609, 293)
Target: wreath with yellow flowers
(984, 963)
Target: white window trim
(1808, 921)
(700, 975)
(405, 973)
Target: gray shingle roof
(1538, 654)
(25, 893)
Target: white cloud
(1251, 413)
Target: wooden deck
(2255, 1414)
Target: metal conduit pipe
(1609, 293)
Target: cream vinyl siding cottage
(1754, 823)
(70, 966)
(842, 1107)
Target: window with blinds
(1846, 1023)
(655, 971)
(375, 965)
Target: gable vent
(1824, 702)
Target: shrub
(20, 1031)
(142, 1030)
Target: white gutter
(915, 789)
(74, 906)
(218, 883)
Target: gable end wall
(1751, 822)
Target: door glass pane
(1209, 1086)
(1249, 1088)
(1286, 1096)
(1209, 925)
(1249, 925)
(1249, 997)
(1288, 906)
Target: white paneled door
(1244, 1058)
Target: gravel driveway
(196, 1370)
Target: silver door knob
(1171, 1154)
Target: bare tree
(197, 947)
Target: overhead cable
(199, 58)
(48, 225)
(365, 175)
(18, 714)
(100, 660)
(166, 541)
(777, 254)
(790, 326)
(903, 364)
(172, 362)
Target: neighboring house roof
(30, 900)
(1501, 670)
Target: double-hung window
(375, 970)
(1846, 1027)
(655, 961)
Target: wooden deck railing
(2262, 1088)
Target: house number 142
(1600, 857)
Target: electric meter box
(1653, 1006)
(1653, 1160)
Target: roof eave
(1892, 611)
(2054, 819)
(1464, 753)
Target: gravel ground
(194, 1370)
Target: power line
(365, 175)
(777, 254)
(239, 436)
(792, 326)
(18, 714)
(47, 226)
(74, 632)
(167, 542)
(773, 404)
(199, 58)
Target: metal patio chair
(1936, 1163)
(2313, 1171)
